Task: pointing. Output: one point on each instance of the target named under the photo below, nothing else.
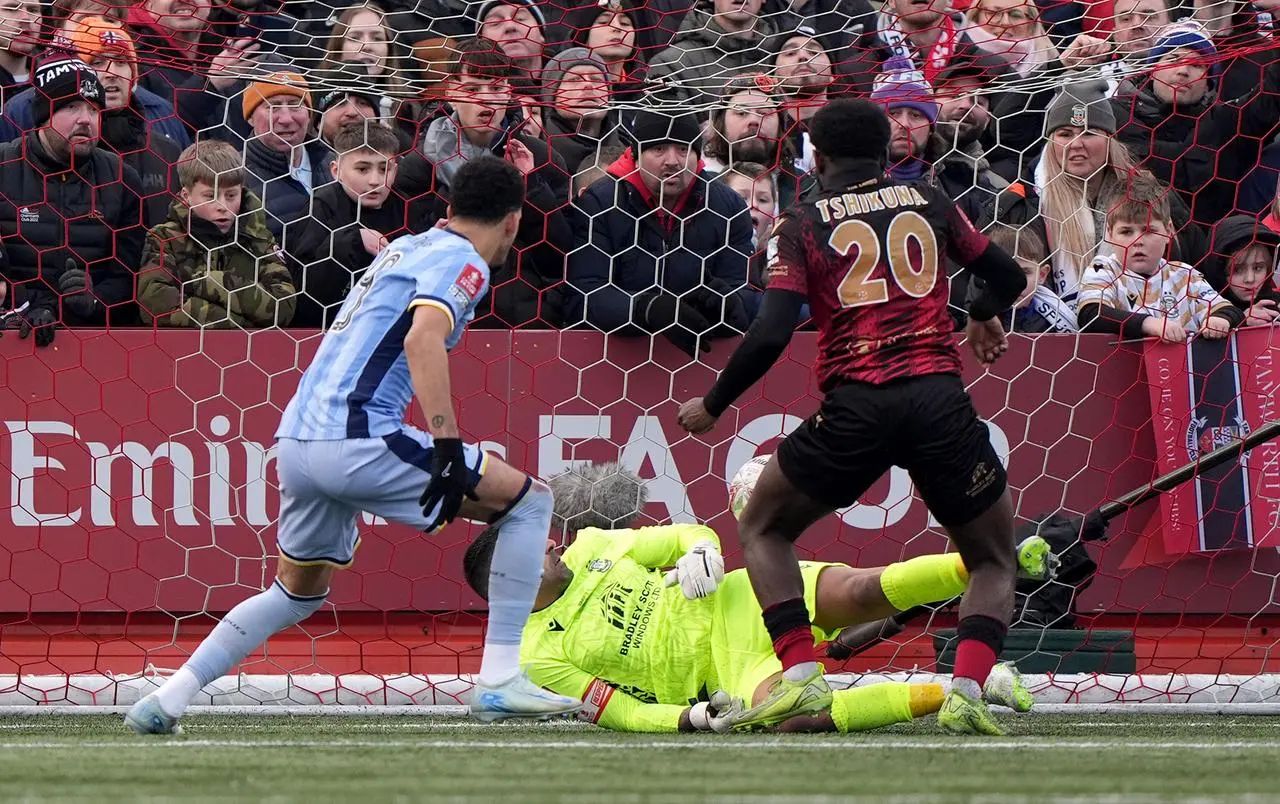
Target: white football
(744, 482)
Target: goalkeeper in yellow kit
(685, 649)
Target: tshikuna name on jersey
(843, 206)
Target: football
(744, 482)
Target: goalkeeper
(645, 650)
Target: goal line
(364, 694)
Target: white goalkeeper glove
(699, 571)
(715, 715)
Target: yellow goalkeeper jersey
(618, 624)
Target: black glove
(720, 305)
(676, 320)
(39, 320)
(450, 482)
(74, 287)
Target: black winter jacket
(630, 247)
(284, 198)
(329, 253)
(91, 216)
(153, 155)
(1229, 236)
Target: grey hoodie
(704, 57)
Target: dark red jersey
(871, 260)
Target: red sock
(796, 647)
(974, 660)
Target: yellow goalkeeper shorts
(741, 652)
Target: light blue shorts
(324, 485)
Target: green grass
(1128, 760)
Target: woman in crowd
(1242, 267)
(362, 37)
(622, 35)
(1083, 171)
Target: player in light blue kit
(343, 448)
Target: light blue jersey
(358, 385)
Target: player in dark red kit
(867, 253)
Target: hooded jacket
(633, 246)
(193, 275)
(704, 57)
(1201, 150)
(1229, 236)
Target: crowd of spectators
(239, 163)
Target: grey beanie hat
(563, 62)
(1084, 105)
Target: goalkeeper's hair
(596, 495)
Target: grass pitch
(1128, 760)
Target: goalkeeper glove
(699, 571)
(715, 715)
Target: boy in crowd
(214, 263)
(351, 221)
(1038, 309)
(1133, 291)
(1242, 267)
(758, 186)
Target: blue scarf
(909, 169)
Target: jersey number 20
(858, 288)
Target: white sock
(499, 665)
(176, 693)
(799, 672)
(240, 632)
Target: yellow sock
(927, 579)
(926, 699)
(872, 706)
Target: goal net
(142, 493)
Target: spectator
(1242, 267)
(594, 168)
(837, 26)
(100, 42)
(908, 101)
(1083, 172)
(666, 251)
(924, 34)
(803, 70)
(342, 100)
(72, 223)
(758, 187)
(62, 10)
(19, 38)
(283, 162)
(107, 48)
(963, 118)
(711, 48)
(1012, 31)
(622, 34)
(480, 123)
(1038, 309)
(517, 26)
(1178, 128)
(577, 116)
(1133, 291)
(748, 125)
(362, 39)
(214, 263)
(1135, 24)
(352, 219)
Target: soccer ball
(744, 482)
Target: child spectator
(1242, 267)
(758, 186)
(1038, 309)
(1132, 290)
(214, 263)
(351, 221)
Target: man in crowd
(578, 118)
(284, 162)
(70, 220)
(1134, 26)
(19, 38)
(517, 26)
(480, 94)
(749, 125)
(912, 111)
(666, 250)
(343, 100)
(964, 113)
(712, 47)
(921, 35)
(803, 70)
